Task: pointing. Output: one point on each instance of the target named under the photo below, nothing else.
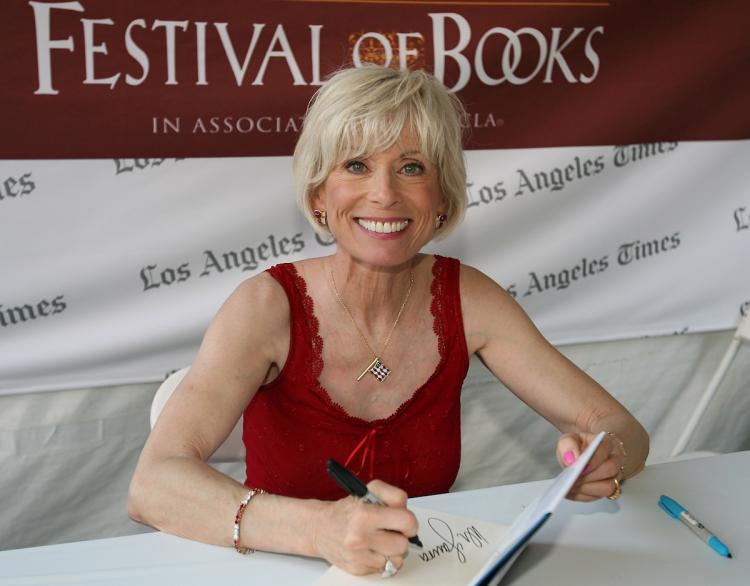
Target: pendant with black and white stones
(377, 369)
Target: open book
(532, 519)
(458, 550)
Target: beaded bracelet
(619, 442)
(238, 519)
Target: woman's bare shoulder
(489, 311)
(258, 306)
(476, 285)
(262, 287)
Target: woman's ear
(316, 199)
(444, 206)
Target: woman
(360, 356)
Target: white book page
(455, 548)
(534, 515)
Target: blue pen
(676, 510)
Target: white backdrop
(112, 269)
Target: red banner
(86, 79)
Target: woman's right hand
(359, 537)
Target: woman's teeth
(383, 227)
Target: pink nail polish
(569, 457)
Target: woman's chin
(380, 258)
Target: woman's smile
(383, 228)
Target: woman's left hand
(604, 467)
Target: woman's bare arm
(506, 340)
(176, 491)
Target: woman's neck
(373, 295)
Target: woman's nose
(384, 188)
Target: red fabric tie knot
(367, 457)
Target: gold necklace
(377, 368)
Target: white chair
(231, 450)
(742, 334)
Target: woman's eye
(413, 169)
(356, 167)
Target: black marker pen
(354, 486)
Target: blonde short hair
(358, 112)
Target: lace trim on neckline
(437, 289)
(313, 326)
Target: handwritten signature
(452, 542)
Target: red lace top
(292, 426)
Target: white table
(629, 542)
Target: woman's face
(382, 208)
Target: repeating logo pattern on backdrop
(549, 186)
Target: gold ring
(616, 492)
